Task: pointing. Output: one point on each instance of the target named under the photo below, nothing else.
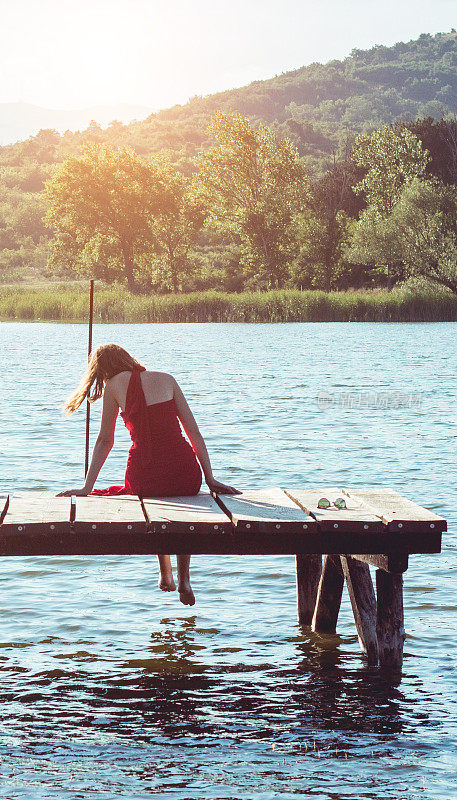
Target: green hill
(320, 107)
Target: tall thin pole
(89, 350)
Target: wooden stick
(89, 350)
(328, 596)
(363, 601)
(309, 570)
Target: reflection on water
(109, 688)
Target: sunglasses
(340, 502)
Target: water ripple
(109, 688)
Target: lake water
(110, 688)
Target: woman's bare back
(157, 387)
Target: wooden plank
(390, 622)
(389, 562)
(197, 514)
(329, 595)
(308, 570)
(108, 514)
(363, 602)
(397, 512)
(36, 512)
(39, 511)
(264, 511)
(355, 518)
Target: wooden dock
(379, 527)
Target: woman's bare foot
(166, 582)
(186, 594)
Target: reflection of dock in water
(376, 527)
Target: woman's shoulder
(163, 379)
(157, 374)
(117, 379)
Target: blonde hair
(106, 362)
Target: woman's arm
(192, 430)
(103, 445)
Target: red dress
(161, 462)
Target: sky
(67, 55)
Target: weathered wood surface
(370, 518)
(356, 517)
(198, 514)
(309, 570)
(265, 511)
(109, 514)
(34, 523)
(35, 512)
(390, 623)
(264, 521)
(329, 594)
(363, 602)
(397, 512)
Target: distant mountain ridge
(320, 107)
(20, 120)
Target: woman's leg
(186, 594)
(166, 582)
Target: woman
(161, 461)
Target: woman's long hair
(107, 361)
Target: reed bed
(69, 303)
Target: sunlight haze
(77, 54)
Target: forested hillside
(319, 107)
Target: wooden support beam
(309, 570)
(363, 601)
(329, 593)
(390, 622)
(390, 562)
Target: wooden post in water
(329, 594)
(309, 570)
(89, 350)
(390, 623)
(363, 601)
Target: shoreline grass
(69, 303)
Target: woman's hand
(221, 488)
(74, 492)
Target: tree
(324, 232)
(319, 264)
(439, 137)
(102, 206)
(392, 158)
(376, 242)
(419, 237)
(253, 184)
(426, 215)
(176, 226)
